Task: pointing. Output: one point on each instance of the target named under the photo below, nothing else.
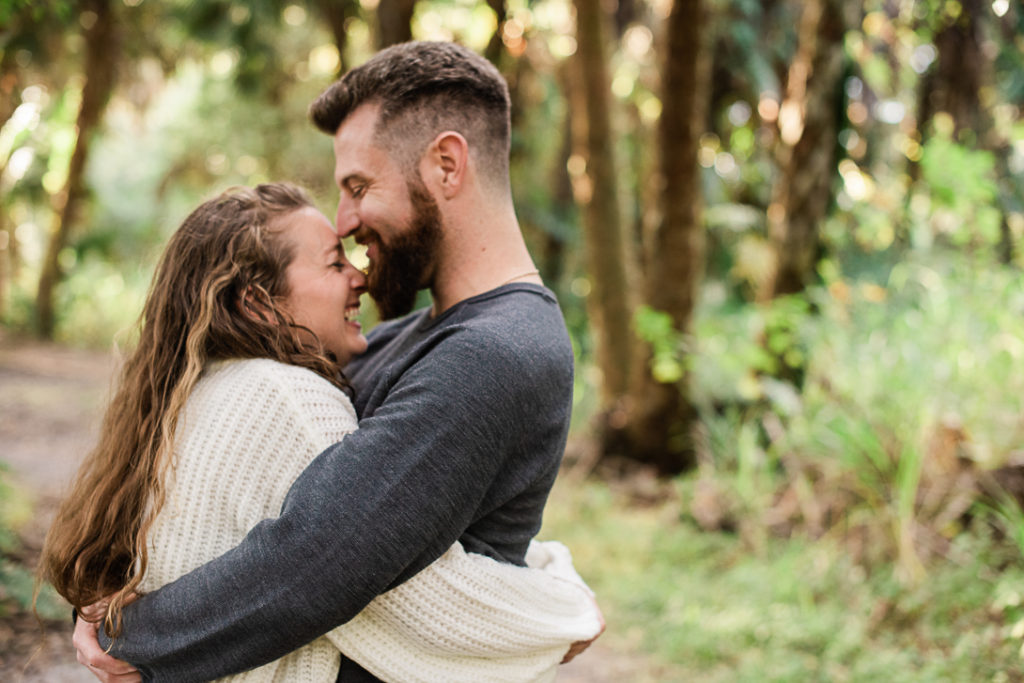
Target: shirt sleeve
(369, 511)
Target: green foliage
(962, 189)
(1008, 515)
(195, 131)
(668, 347)
(718, 607)
(740, 349)
(957, 175)
(955, 203)
(100, 302)
(8, 513)
(17, 584)
(35, 11)
(18, 594)
(868, 436)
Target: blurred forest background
(787, 237)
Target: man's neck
(477, 258)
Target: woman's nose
(358, 280)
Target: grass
(17, 584)
(716, 607)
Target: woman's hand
(581, 645)
(92, 656)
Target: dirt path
(51, 400)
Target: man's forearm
(340, 541)
(222, 619)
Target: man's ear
(445, 163)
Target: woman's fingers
(91, 655)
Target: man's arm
(366, 514)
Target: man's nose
(347, 219)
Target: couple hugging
(232, 488)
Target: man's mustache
(364, 235)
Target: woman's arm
(469, 618)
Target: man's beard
(406, 265)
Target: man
(464, 406)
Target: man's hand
(581, 645)
(92, 656)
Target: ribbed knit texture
(249, 429)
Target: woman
(234, 388)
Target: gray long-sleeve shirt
(463, 423)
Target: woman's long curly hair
(217, 293)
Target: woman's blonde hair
(217, 293)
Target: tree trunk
(551, 249)
(659, 424)
(496, 45)
(336, 13)
(10, 98)
(959, 70)
(626, 12)
(101, 55)
(807, 146)
(394, 22)
(10, 87)
(954, 86)
(595, 187)
(6, 240)
(5, 268)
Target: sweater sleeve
(467, 618)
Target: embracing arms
(365, 515)
(468, 618)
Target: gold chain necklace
(521, 275)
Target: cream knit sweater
(248, 430)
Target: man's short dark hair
(423, 89)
